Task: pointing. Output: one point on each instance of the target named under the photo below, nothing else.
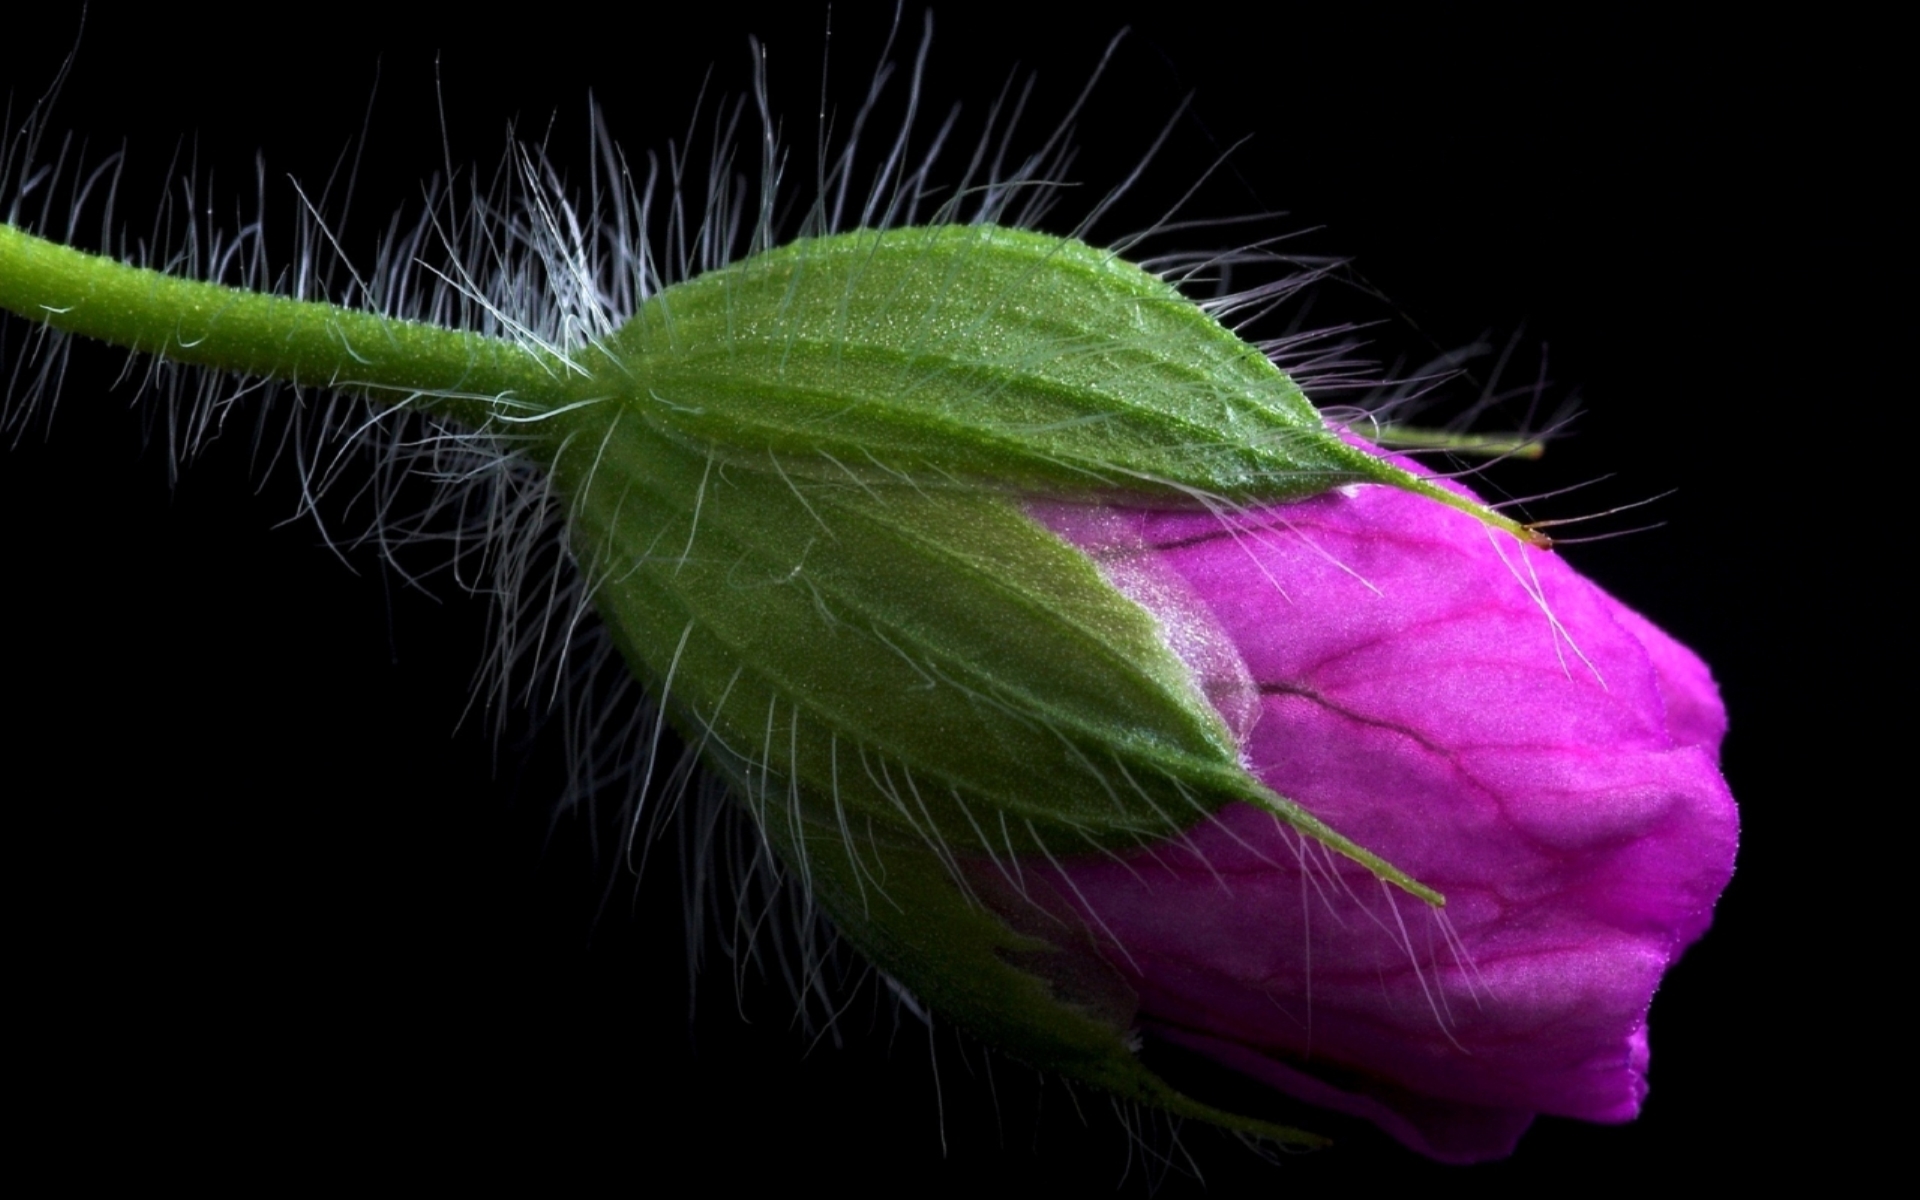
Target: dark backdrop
(279, 909)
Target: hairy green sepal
(975, 355)
(929, 664)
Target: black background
(279, 911)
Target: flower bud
(1080, 672)
(1094, 686)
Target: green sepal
(981, 356)
(932, 664)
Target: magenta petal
(1695, 716)
(1487, 720)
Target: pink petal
(1484, 718)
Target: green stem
(468, 377)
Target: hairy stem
(467, 377)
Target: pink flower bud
(1482, 717)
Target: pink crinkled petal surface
(1487, 720)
